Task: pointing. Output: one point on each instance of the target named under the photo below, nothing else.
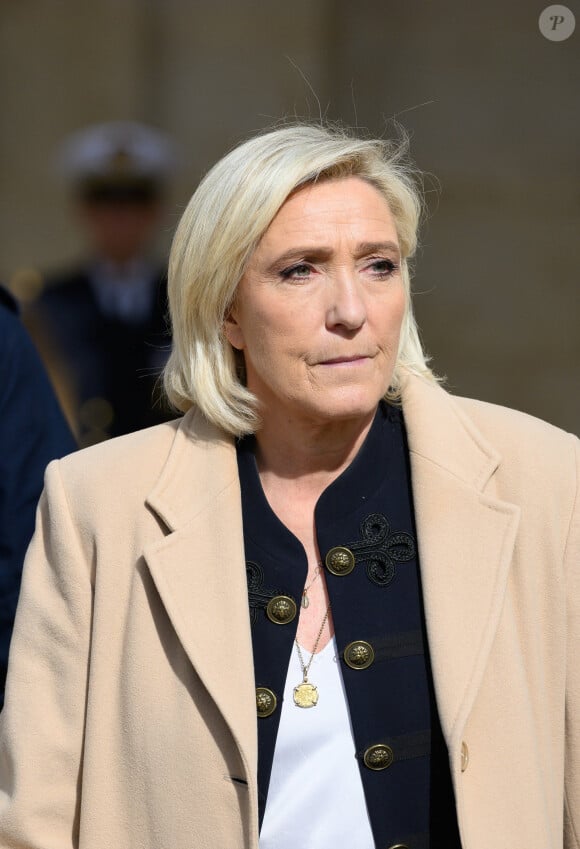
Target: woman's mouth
(345, 361)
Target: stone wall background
(491, 105)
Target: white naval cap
(117, 153)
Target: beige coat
(130, 717)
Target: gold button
(464, 756)
(266, 701)
(399, 846)
(281, 609)
(340, 560)
(377, 757)
(359, 654)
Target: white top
(315, 798)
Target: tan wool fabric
(130, 717)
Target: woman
(356, 621)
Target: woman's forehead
(316, 210)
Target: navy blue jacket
(109, 359)
(367, 514)
(32, 432)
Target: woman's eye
(296, 272)
(384, 267)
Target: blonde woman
(331, 605)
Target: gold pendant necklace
(306, 693)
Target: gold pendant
(305, 695)
(305, 600)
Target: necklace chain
(305, 600)
(306, 667)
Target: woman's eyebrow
(313, 252)
(364, 248)
(322, 252)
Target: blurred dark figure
(101, 327)
(32, 432)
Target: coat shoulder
(541, 451)
(504, 423)
(172, 469)
(129, 463)
(471, 438)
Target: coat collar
(466, 537)
(201, 464)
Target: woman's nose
(346, 305)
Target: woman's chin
(345, 405)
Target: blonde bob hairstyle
(222, 225)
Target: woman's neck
(305, 457)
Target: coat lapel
(466, 539)
(199, 572)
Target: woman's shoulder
(535, 456)
(179, 456)
(133, 453)
(474, 439)
(435, 414)
(133, 463)
(505, 424)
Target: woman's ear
(233, 331)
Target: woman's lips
(345, 361)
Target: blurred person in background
(332, 605)
(32, 433)
(101, 326)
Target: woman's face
(318, 311)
